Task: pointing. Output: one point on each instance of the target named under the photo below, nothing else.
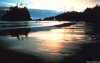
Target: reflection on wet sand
(52, 45)
(14, 29)
(54, 40)
(15, 32)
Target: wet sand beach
(76, 43)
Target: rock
(16, 13)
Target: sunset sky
(58, 5)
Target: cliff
(16, 14)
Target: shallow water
(51, 45)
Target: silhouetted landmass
(37, 19)
(16, 14)
(70, 16)
(88, 15)
(49, 18)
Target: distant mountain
(38, 13)
(4, 8)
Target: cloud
(77, 5)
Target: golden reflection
(58, 35)
(51, 47)
(48, 36)
(53, 40)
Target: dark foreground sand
(89, 52)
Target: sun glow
(58, 5)
(62, 5)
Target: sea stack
(16, 13)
